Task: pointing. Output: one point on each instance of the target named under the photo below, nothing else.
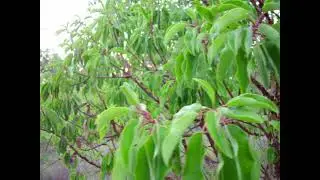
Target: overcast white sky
(53, 14)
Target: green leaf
(271, 155)
(209, 90)
(215, 47)
(272, 53)
(106, 165)
(160, 169)
(242, 70)
(271, 6)
(194, 158)
(173, 30)
(176, 161)
(131, 96)
(142, 170)
(231, 16)
(190, 108)
(126, 140)
(242, 114)
(226, 60)
(271, 33)
(239, 3)
(271, 105)
(66, 159)
(240, 101)
(245, 165)
(62, 145)
(216, 132)
(205, 13)
(275, 124)
(178, 126)
(191, 13)
(178, 67)
(262, 66)
(104, 118)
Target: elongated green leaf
(272, 53)
(178, 67)
(175, 161)
(126, 140)
(173, 30)
(160, 169)
(240, 101)
(262, 99)
(178, 126)
(217, 134)
(245, 165)
(271, 155)
(226, 60)
(190, 108)
(275, 124)
(239, 3)
(194, 158)
(191, 13)
(242, 114)
(143, 169)
(270, 33)
(106, 165)
(232, 16)
(131, 96)
(187, 67)
(215, 47)
(205, 13)
(262, 66)
(226, 7)
(271, 6)
(209, 90)
(106, 116)
(242, 70)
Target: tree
(170, 89)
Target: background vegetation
(157, 89)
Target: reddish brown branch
(74, 149)
(84, 158)
(262, 89)
(228, 90)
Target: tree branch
(84, 158)
(74, 149)
(262, 89)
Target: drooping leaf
(194, 158)
(178, 126)
(104, 118)
(262, 99)
(215, 47)
(173, 30)
(131, 96)
(231, 16)
(242, 114)
(189, 108)
(242, 70)
(209, 90)
(240, 101)
(262, 66)
(106, 165)
(205, 13)
(270, 33)
(226, 60)
(217, 134)
(275, 124)
(244, 165)
(126, 140)
(271, 5)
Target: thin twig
(228, 90)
